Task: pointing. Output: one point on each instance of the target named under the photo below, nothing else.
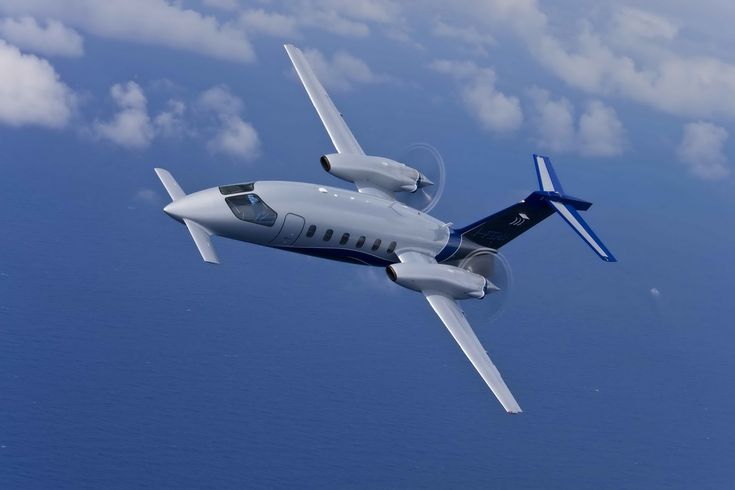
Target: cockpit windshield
(251, 208)
(226, 190)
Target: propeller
(494, 267)
(427, 160)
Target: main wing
(454, 319)
(342, 138)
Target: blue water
(125, 362)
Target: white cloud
(655, 293)
(332, 21)
(599, 132)
(632, 24)
(664, 78)
(495, 111)
(342, 71)
(677, 85)
(221, 4)
(469, 35)
(237, 138)
(31, 92)
(232, 136)
(216, 116)
(270, 23)
(702, 150)
(147, 196)
(53, 39)
(350, 18)
(554, 120)
(157, 22)
(131, 127)
(219, 99)
(381, 11)
(170, 123)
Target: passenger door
(290, 231)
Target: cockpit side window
(249, 207)
(226, 190)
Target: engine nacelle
(455, 282)
(383, 173)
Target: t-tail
(502, 227)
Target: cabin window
(360, 242)
(328, 235)
(376, 244)
(391, 247)
(310, 232)
(249, 207)
(226, 190)
(344, 239)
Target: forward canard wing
(454, 319)
(199, 234)
(342, 138)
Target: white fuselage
(319, 220)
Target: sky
(126, 362)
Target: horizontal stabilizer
(202, 241)
(567, 206)
(500, 228)
(573, 218)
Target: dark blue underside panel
(342, 255)
(453, 244)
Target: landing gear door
(292, 228)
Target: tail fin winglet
(567, 206)
(547, 179)
(500, 228)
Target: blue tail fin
(567, 206)
(502, 227)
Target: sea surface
(126, 362)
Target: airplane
(371, 226)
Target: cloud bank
(598, 132)
(155, 22)
(51, 39)
(702, 150)
(34, 94)
(131, 127)
(496, 111)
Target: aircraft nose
(174, 210)
(204, 207)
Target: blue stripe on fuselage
(455, 240)
(342, 255)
